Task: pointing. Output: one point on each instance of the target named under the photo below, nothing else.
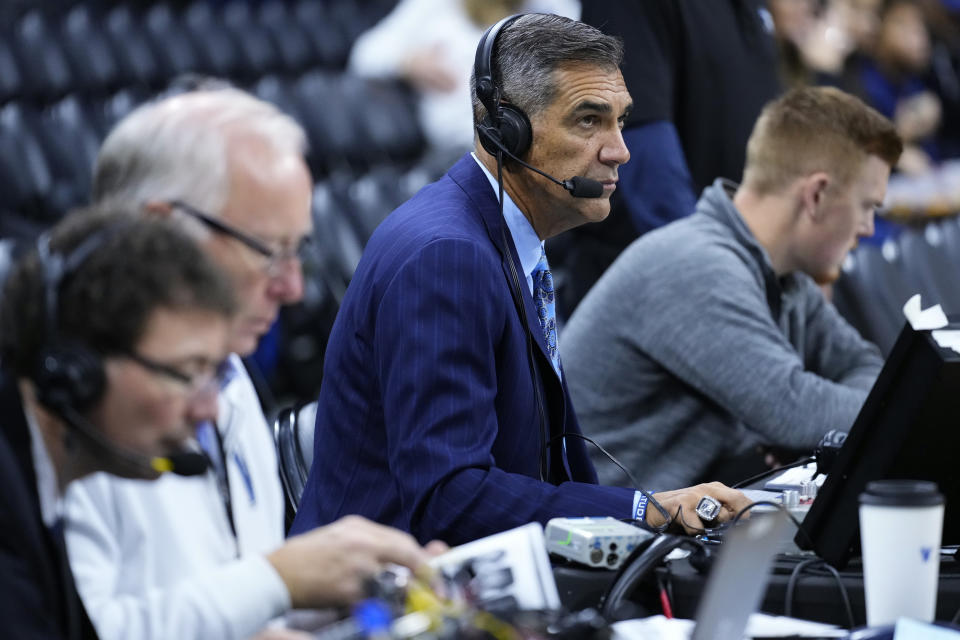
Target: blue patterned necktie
(544, 300)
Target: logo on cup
(925, 553)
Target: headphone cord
(518, 300)
(668, 520)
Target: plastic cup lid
(902, 493)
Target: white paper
(923, 319)
(908, 629)
(521, 552)
(791, 478)
(947, 338)
(760, 625)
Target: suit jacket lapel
(474, 183)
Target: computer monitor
(908, 428)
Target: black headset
(66, 374)
(505, 126)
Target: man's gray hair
(177, 148)
(530, 49)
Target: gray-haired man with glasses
(205, 557)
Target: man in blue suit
(443, 410)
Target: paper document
(908, 629)
(791, 478)
(947, 338)
(760, 625)
(924, 319)
(510, 565)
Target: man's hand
(328, 566)
(681, 504)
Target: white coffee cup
(901, 522)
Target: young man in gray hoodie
(710, 336)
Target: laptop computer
(739, 575)
(733, 590)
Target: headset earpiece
(505, 124)
(513, 133)
(66, 375)
(69, 376)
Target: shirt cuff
(252, 591)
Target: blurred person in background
(812, 39)
(111, 334)
(205, 557)
(690, 122)
(429, 44)
(896, 79)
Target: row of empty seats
(876, 282)
(98, 49)
(46, 154)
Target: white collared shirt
(525, 239)
(157, 559)
(51, 500)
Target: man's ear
(158, 208)
(812, 194)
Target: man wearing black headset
(113, 336)
(444, 409)
(110, 339)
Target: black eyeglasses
(210, 378)
(275, 259)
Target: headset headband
(487, 90)
(56, 266)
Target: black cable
(770, 472)
(518, 300)
(792, 585)
(637, 565)
(843, 593)
(795, 577)
(633, 481)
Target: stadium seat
(871, 293)
(11, 80)
(258, 55)
(293, 433)
(293, 47)
(172, 45)
(327, 38)
(217, 52)
(931, 265)
(25, 178)
(136, 61)
(47, 74)
(94, 64)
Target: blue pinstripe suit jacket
(426, 418)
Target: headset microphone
(578, 186)
(181, 463)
